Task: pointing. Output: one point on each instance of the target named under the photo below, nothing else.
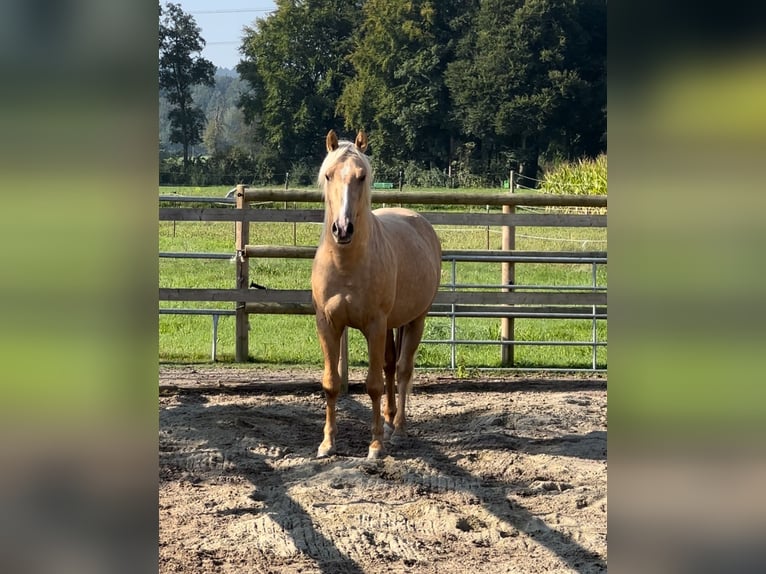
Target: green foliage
(583, 177)
(226, 131)
(295, 64)
(529, 77)
(302, 173)
(416, 176)
(461, 372)
(215, 133)
(472, 88)
(397, 91)
(230, 168)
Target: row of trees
(226, 147)
(225, 125)
(479, 86)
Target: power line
(231, 11)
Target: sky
(221, 23)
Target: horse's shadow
(296, 429)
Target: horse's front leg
(376, 346)
(329, 338)
(390, 371)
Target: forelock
(345, 148)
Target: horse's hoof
(325, 451)
(374, 453)
(398, 437)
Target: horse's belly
(407, 308)
(417, 255)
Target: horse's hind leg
(389, 368)
(376, 334)
(329, 338)
(408, 346)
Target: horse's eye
(327, 176)
(362, 177)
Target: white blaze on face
(343, 216)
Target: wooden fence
(504, 302)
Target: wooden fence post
(508, 277)
(242, 236)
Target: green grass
(284, 339)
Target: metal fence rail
(455, 311)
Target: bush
(421, 177)
(172, 171)
(301, 173)
(230, 168)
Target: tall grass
(284, 339)
(583, 177)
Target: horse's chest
(348, 301)
(354, 304)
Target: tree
(214, 137)
(180, 69)
(530, 78)
(490, 83)
(397, 92)
(295, 64)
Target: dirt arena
(498, 474)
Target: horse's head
(345, 177)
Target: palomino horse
(374, 271)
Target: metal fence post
(453, 326)
(215, 337)
(595, 331)
(508, 277)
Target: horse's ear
(361, 141)
(332, 141)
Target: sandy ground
(498, 474)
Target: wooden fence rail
(436, 218)
(506, 302)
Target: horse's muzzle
(342, 234)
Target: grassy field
(283, 339)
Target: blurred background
(78, 287)
(78, 335)
(687, 134)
